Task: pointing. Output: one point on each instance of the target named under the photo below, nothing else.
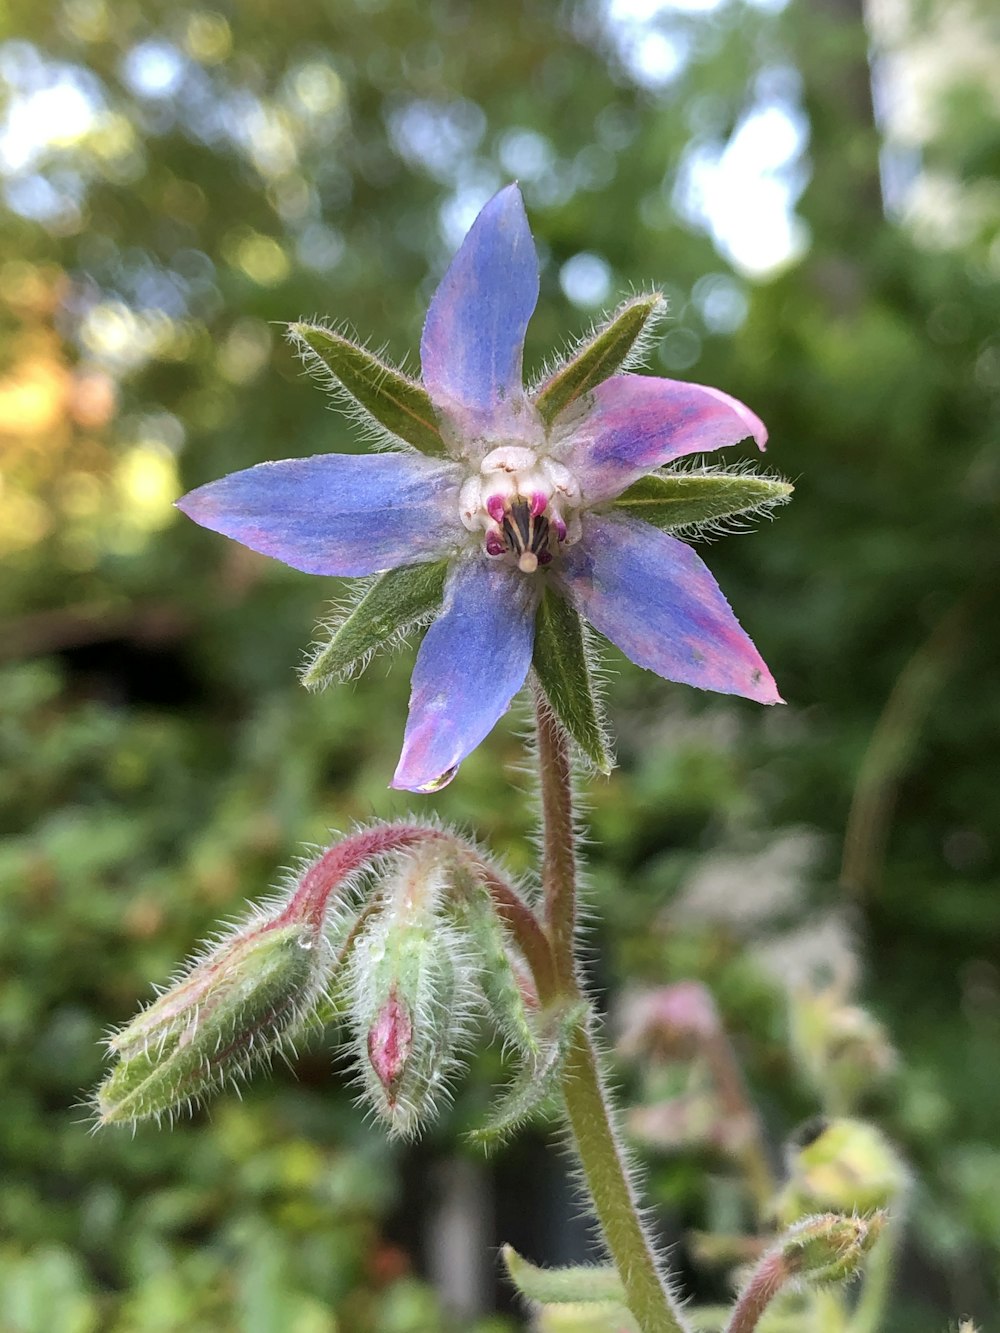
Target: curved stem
(590, 1119)
(766, 1280)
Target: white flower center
(527, 505)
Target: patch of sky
(51, 106)
(586, 279)
(744, 192)
(525, 154)
(438, 137)
(721, 301)
(154, 69)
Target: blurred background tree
(818, 199)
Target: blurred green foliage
(179, 181)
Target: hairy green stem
(558, 842)
(590, 1121)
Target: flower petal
(635, 423)
(346, 514)
(472, 662)
(656, 600)
(473, 336)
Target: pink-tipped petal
(635, 423)
(343, 514)
(472, 662)
(473, 336)
(654, 598)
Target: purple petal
(472, 662)
(635, 423)
(656, 600)
(473, 336)
(346, 514)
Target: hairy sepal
(233, 1008)
(394, 401)
(397, 602)
(560, 663)
(536, 1081)
(612, 346)
(511, 1003)
(412, 993)
(830, 1247)
(689, 501)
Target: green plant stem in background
(870, 1309)
(590, 1118)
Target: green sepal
(397, 601)
(473, 911)
(395, 401)
(685, 499)
(607, 350)
(560, 662)
(583, 1285)
(536, 1080)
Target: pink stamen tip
(495, 544)
(538, 503)
(559, 528)
(495, 509)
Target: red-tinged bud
(411, 993)
(390, 1041)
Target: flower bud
(411, 994)
(233, 1007)
(829, 1247)
(670, 1022)
(840, 1166)
(843, 1050)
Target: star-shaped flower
(525, 518)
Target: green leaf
(560, 662)
(535, 1081)
(598, 357)
(394, 400)
(682, 499)
(584, 1285)
(400, 599)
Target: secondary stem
(600, 1153)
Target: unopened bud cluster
(410, 969)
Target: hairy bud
(233, 1007)
(829, 1247)
(411, 994)
(840, 1166)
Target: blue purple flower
(518, 502)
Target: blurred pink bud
(670, 1022)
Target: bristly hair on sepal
(697, 501)
(614, 344)
(233, 1007)
(379, 396)
(379, 615)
